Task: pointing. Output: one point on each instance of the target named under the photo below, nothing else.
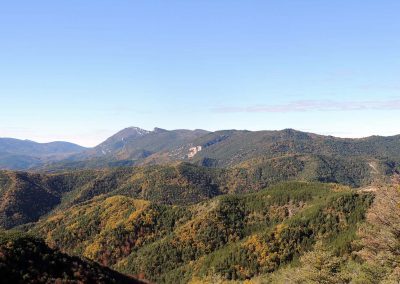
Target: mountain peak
(137, 130)
(118, 140)
(130, 132)
(158, 130)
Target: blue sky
(81, 70)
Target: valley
(243, 206)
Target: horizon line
(326, 134)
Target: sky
(80, 71)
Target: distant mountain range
(25, 154)
(226, 148)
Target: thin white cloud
(315, 105)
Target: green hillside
(235, 236)
(25, 197)
(227, 148)
(184, 223)
(249, 206)
(131, 146)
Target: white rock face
(140, 131)
(193, 151)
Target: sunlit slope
(25, 197)
(236, 236)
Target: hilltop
(26, 154)
(226, 148)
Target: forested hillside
(374, 256)
(184, 223)
(25, 197)
(245, 206)
(26, 259)
(227, 148)
(131, 146)
(235, 237)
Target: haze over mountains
(25, 154)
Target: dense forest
(26, 196)
(27, 259)
(250, 207)
(238, 236)
(227, 148)
(296, 232)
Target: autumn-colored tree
(319, 266)
(381, 234)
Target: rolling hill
(235, 236)
(223, 149)
(228, 148)
(25, 197)
(185, 206)
(25, 154)
(132, 145)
